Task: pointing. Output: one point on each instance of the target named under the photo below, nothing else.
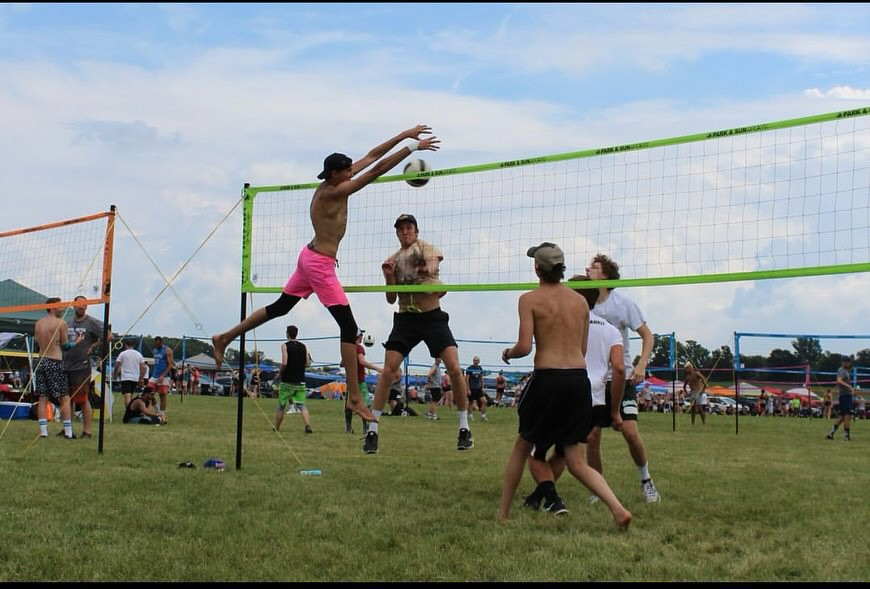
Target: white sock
(463, 419)
(43, 427)
(67, 428)
(373, 425)
(643, 471)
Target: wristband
(67, 345)
(415, 146)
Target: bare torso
(328, 212)
(561, 324)
(694, 382)
(49, 331)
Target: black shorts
(628, 409)
(475, 394)
(435, 394)
(556, 407)
(846, 404)
(409, 329)
(129, 386)
(395, 395)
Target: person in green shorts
(294, 360)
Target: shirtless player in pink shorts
(315, 267)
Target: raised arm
(638, 373)
(378, 152)
(527, 330)
(389, 270)
(384, 165)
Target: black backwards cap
(333, 163)
(405, 218)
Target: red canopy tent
(653, 380)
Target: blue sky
(167, 110)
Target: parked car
(207, 386)
(724, 405)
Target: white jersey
(130, 360)
(623, 314)
(602, 338)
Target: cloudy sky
(167, 110)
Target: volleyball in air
(417, 166)
(368, 340)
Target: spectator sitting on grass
(141, 409)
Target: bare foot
(622, 520)
(219, 347)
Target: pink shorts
(315, 273)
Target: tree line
(805, 351)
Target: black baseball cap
(333, 163)
(405, 218)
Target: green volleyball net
(772, 200)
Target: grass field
(776, 502)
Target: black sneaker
(532, 502)
(465, 441)
(370, 446)
(557, 506)
(829, 437)
(308, 429)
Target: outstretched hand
(417, 131)
(428, 143)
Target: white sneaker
(483, 417)
(649, 491)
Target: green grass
(777, 502)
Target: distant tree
(826, 368)
(694, 352)
(747, 363)
(661, 352)
(808, 350)
(723, 358)
(782, 358)
(862, 358)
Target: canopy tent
(720, 391)
(655, 388)
(773, 390)
(13, 293)
(333, 387)
(747, 389)
(655, 381)
(801, 392)
(204, 362)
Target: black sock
(548, 490)
(348, 418)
